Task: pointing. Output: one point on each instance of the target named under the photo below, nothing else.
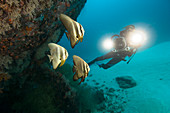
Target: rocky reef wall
(28, 25)
(26, 28)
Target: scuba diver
(121, 49)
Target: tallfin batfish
(80, 68)
(58, 55)
(75, 31)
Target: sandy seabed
(151, 70)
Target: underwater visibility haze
(58, 56)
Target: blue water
(102, 19)
(107, 17)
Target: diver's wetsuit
(120, 47)
(116, 57)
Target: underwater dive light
(107, 44)
(137, 38)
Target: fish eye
(77, 36)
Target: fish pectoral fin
(50, 57)
(77, 41)
(68, 35)
(81, 38)
(62, 62)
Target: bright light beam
(137, 38)
(107, 44)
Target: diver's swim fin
(100, 65)
(92, 62)
(131, 57)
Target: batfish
(58, 55)
(80, 68)
(75, 30)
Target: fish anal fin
(55, 63)
(73, 45)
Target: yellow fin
(77, 41)
(81, 38)
(62, 62)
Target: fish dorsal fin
(66, 21)
(52, 46)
